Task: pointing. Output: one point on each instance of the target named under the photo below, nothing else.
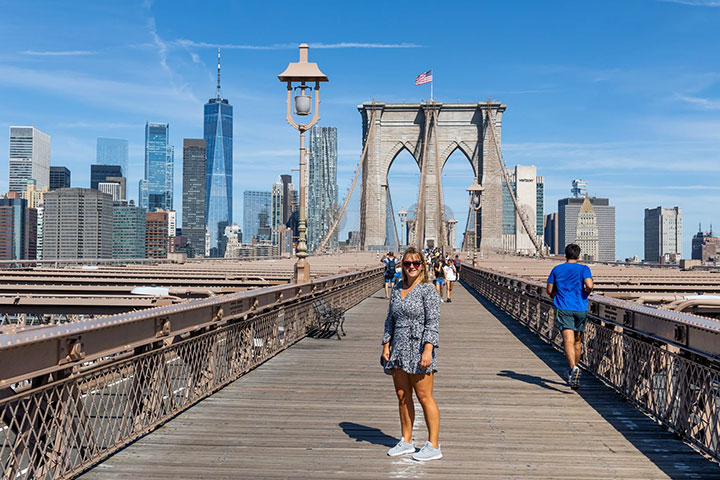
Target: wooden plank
(324, 409)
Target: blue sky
(624, 94)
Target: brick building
(157, 239)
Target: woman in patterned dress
(409, 343)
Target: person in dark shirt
(569, 284)
(390, 262)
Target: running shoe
(428, 452)
(575, 378)
(401, 448)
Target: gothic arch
(392, 155)
(450, 149)
(449, 127)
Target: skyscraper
(551, 233)
(323, 191)
(529, 190)
(100, 173)
(159, 164)
(18, 229)
(194, 188)
(113, 151)
(287, 197)
(705, 245)
(663, 233)
(586, 231)
(276, 214)
(157, 239)
(59, 177)
(218, 128)
(29, 158)
(77, 224)
(254, 204)
(568, 211)
(128, 232)
(112, 189)
(579, 188)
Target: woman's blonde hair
(412, 251)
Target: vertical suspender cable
(354, 182)
(523, 218)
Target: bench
(330, 320)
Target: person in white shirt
(450, 279)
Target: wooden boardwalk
(324, 409)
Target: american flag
(423, 78)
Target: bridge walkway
(324, 409)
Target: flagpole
(431, 88)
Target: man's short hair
(390, 253)
(572, 251)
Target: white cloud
(59, 53)
(701, 103)
(140, 97)
(286, 46)
(695, 3)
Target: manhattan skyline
(624, 96)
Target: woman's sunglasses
(415, 264)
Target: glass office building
(128, 234)
(193, 200)
(257, 206)
(156, 192)
(218, 134)
(323, 188)
(113, 151)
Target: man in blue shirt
(569, 284)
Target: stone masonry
(460, 126)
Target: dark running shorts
(571, 319)
(389, 277)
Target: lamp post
(475, 192)
(403, 216)
(301, 73)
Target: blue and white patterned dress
(411, 323)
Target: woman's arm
(389, 324)
(431, 301)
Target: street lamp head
(475, 193)
(303, 102)
(304, 73)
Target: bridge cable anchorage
(521, 213)
(352, 186)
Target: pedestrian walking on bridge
(409, 345)
(569, 285)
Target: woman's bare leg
(403, 389)
(423, 385)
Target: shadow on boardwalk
(652, 440)
(363, 433)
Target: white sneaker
(428, 452)
(401, 448)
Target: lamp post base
(301, 273)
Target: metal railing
(667, 364)
(73, 394)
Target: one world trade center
(219, 168)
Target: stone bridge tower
(430, 132)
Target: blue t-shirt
(569, 280)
